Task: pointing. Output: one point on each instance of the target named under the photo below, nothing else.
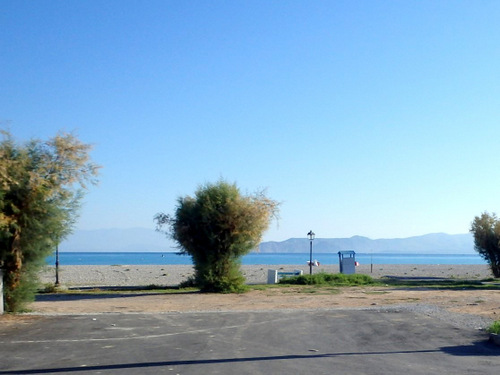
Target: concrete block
(272, 276)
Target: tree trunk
(495, 268)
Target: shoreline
(172, 275)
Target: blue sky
(374, 118)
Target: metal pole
(311, 257)
(57, 264)
(311, 238)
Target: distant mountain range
(143, 239)
(437, 243)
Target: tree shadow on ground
(477, 349)
(92, 293)
(434, 283)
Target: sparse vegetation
(324, 278)
(49, 288)
(460, 284)
(131, 290)
(321, 284)
(494, 327)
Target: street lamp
(311, 238)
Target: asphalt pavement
(369, 341)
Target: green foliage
(216, 228)
(39, 200)
(49, 288)
(190, 282)
(25, 291)
(486, 231)
(494, 327)
(322, 278)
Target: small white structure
(273, 276)
(315, 263)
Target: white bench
(273, 276)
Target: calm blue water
(114, 258)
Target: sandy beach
(172, 275)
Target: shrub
(216, 228)
(323, 278)
(495, 327)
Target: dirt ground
(485, 303)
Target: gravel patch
(457, 320)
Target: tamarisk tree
(486, 231)
(216, 228)
(41, 186)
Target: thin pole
(57, 264)
(311, 257)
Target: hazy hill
(439, 243)
(143, 239)
(133, 240)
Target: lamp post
(311, 238)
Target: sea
(156, 258)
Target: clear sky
(373, 118)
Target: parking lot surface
(355, 341)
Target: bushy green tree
(486, 231)
(216, 228)
(40, 190)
